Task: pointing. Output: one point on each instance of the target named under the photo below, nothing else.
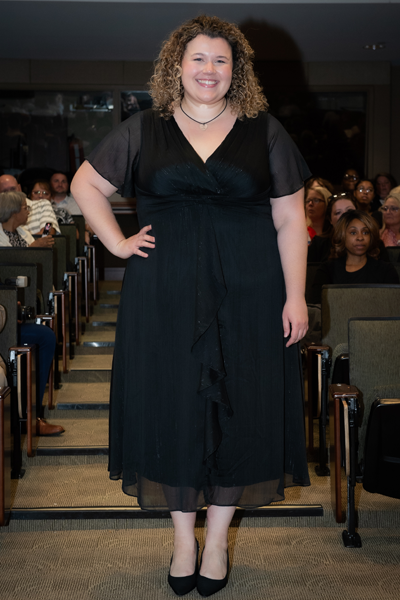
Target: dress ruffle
(207, 346)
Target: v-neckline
(194, 151)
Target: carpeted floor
(274, 563)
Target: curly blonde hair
(245, 93)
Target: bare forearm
(292, 244)
(97, 210)
(91, 191)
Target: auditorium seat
(366, 418)
(339, 304)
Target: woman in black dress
(206, 397)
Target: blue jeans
(44, 337)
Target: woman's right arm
(91, 191)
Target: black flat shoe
(208, 587)
(184, 585)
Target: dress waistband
(151, 203)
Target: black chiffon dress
(206, 401)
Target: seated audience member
(364, 195)
(42, 189)
(14, 212)
(62, 198)
(60, 194)
(13, 215)
(316, 201)
(350, 180)
(383, 183)
(314, 182)
(41, 209)
(390, 232)
(44, 337)
(321, 245)
(355, 256)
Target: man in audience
(41, 211)
(60, 194)
(61, 198)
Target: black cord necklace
(203, 126)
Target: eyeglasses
(366, 190)
(41, 193)
(26, 207)
(351, 177)
(313, 200)
(390, 208)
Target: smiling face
(340, 207)
(315, 206)
(206, 70)
(358, 238)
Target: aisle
(69, 474)
(74, 534)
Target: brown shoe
(45, 428)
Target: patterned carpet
(131, 563)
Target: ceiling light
(378, 46)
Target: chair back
(28, 295)
(60, 261)
(312, 268)
(374, 363)
(9, 335)
(42, 257)
(343, 302)
(69, 232)
(80, 223)
(394, 253)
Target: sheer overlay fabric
(206, 400)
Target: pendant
(203, 126)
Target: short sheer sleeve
(288, 169)
(116, 156)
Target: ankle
(217, 544)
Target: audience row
(48, 203)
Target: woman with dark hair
(41, 211)
(219, 188)
(364, 196)
(350, 179)
(354, 257)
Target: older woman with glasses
(390, 232)
(14, 213)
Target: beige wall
(379, 79)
